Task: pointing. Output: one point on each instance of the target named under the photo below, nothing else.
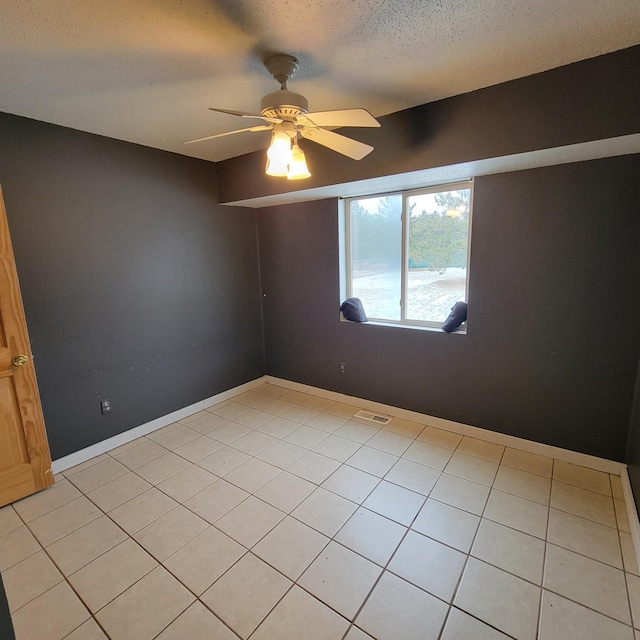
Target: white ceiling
(146, 71)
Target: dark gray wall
(6, 626)
(137, 286)
(593, 99)
(553, 342)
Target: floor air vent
(373, 417)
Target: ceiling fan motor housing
(284, 104)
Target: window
(407, 254)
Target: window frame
(345, 253)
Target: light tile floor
(277, 516)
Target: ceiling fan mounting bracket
(282, 67)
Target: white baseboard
(122, 438)
(566, 455)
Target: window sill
(462, 330)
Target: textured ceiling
(146, 71)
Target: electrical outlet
(105, 406)
(343, 368)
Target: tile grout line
(159, 563)
(589, 608)
(64, 579)
(213, 525)
(332, 539)
(129, 537)
(544, 557)
(338, 543)
(385, 568)
(469, 556)
(361, 504)
(408, 529)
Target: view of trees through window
(436, 238)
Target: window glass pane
(437, 255)
(376, 255)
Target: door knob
(20, 361)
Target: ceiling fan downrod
(283, 104)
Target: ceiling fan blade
(262, 127)
(337, 142)
(245, 114)
(339, 118)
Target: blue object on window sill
(353, 310)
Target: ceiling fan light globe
(277, 169)
(298, 166)
(279, 150)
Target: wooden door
(25, 462)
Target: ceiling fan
(287, 115)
